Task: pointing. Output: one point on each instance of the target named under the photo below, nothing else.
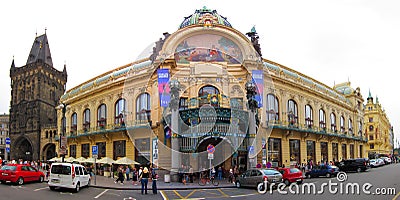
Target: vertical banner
(163, 88)
(258, 79)
(155, 152)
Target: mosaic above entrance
(208, 48)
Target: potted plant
(106, 168)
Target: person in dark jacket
(120, 176)
(154, 177)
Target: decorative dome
(206, 17)
(344, 88)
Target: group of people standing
(142, 175)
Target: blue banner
(163, 88)
(258, 79)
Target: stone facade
(4, 133)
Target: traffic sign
(210, 156)
(8, 141)
(8, 149)
(210, 149)
(94, 150)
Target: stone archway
(23, 150)
(49, 151)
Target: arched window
(342, 129)
(322, 119)
(272, 108)
(47, 134)
(371, 128)
(86, 119)
(143, 111)
(350, 126)
(74, 122)
(292, 112)
(360, 128)
(102, 116)
(209, 95)
(120, 109)
(333, 122)
(309, 116)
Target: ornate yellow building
(378, 129)
(205, 90)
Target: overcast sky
(331, 41)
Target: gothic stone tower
(35, 91)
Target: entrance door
(222, 156)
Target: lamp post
(251, 89)
(62, 107)
(175, 87)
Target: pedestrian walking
(120, 175)
(144, 180)
(134, 176)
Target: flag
(168, 132)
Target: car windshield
(270, 172)
(61, 169)
(8, 167)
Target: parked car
(20, 173)
(387, 160)
(322, 170)
(376, 162)
(358, 165)
(68, 175)
(252, 177)
(291, 175)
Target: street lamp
(62, 107)
(251, 89)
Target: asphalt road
(383, 179)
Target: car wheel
(260, 186)
(52, 188)
(41, 179)
(358, 170)
(287, 182)
(20, 181)
(238, 185)
(328, 175)
(77, 187)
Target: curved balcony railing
(312, 129)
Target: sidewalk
(108, 183)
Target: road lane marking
(243, 195)
(164, 196)
(223, 193)
(179, 195)
(190, 194)
(101, 194)
(40, 189)
(395, 197)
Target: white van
(68, 175)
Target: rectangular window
(294, 152)
(324, 151)
(183, 103)
(237, 103)
(344, 151)
(371, 146)
(371, 137)
(371, 119)
(335, 154)
(85, 150)
(72, 150)
(274, 152)
(119, 149)
(311, 151)
(101, 149)
(351, 150)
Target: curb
(165, 188)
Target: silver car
(253, 177)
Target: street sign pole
(94, 155)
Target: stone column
(252, 156)
(174, 106)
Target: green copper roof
(196, 16)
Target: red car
(291, 175)
(19, 174)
